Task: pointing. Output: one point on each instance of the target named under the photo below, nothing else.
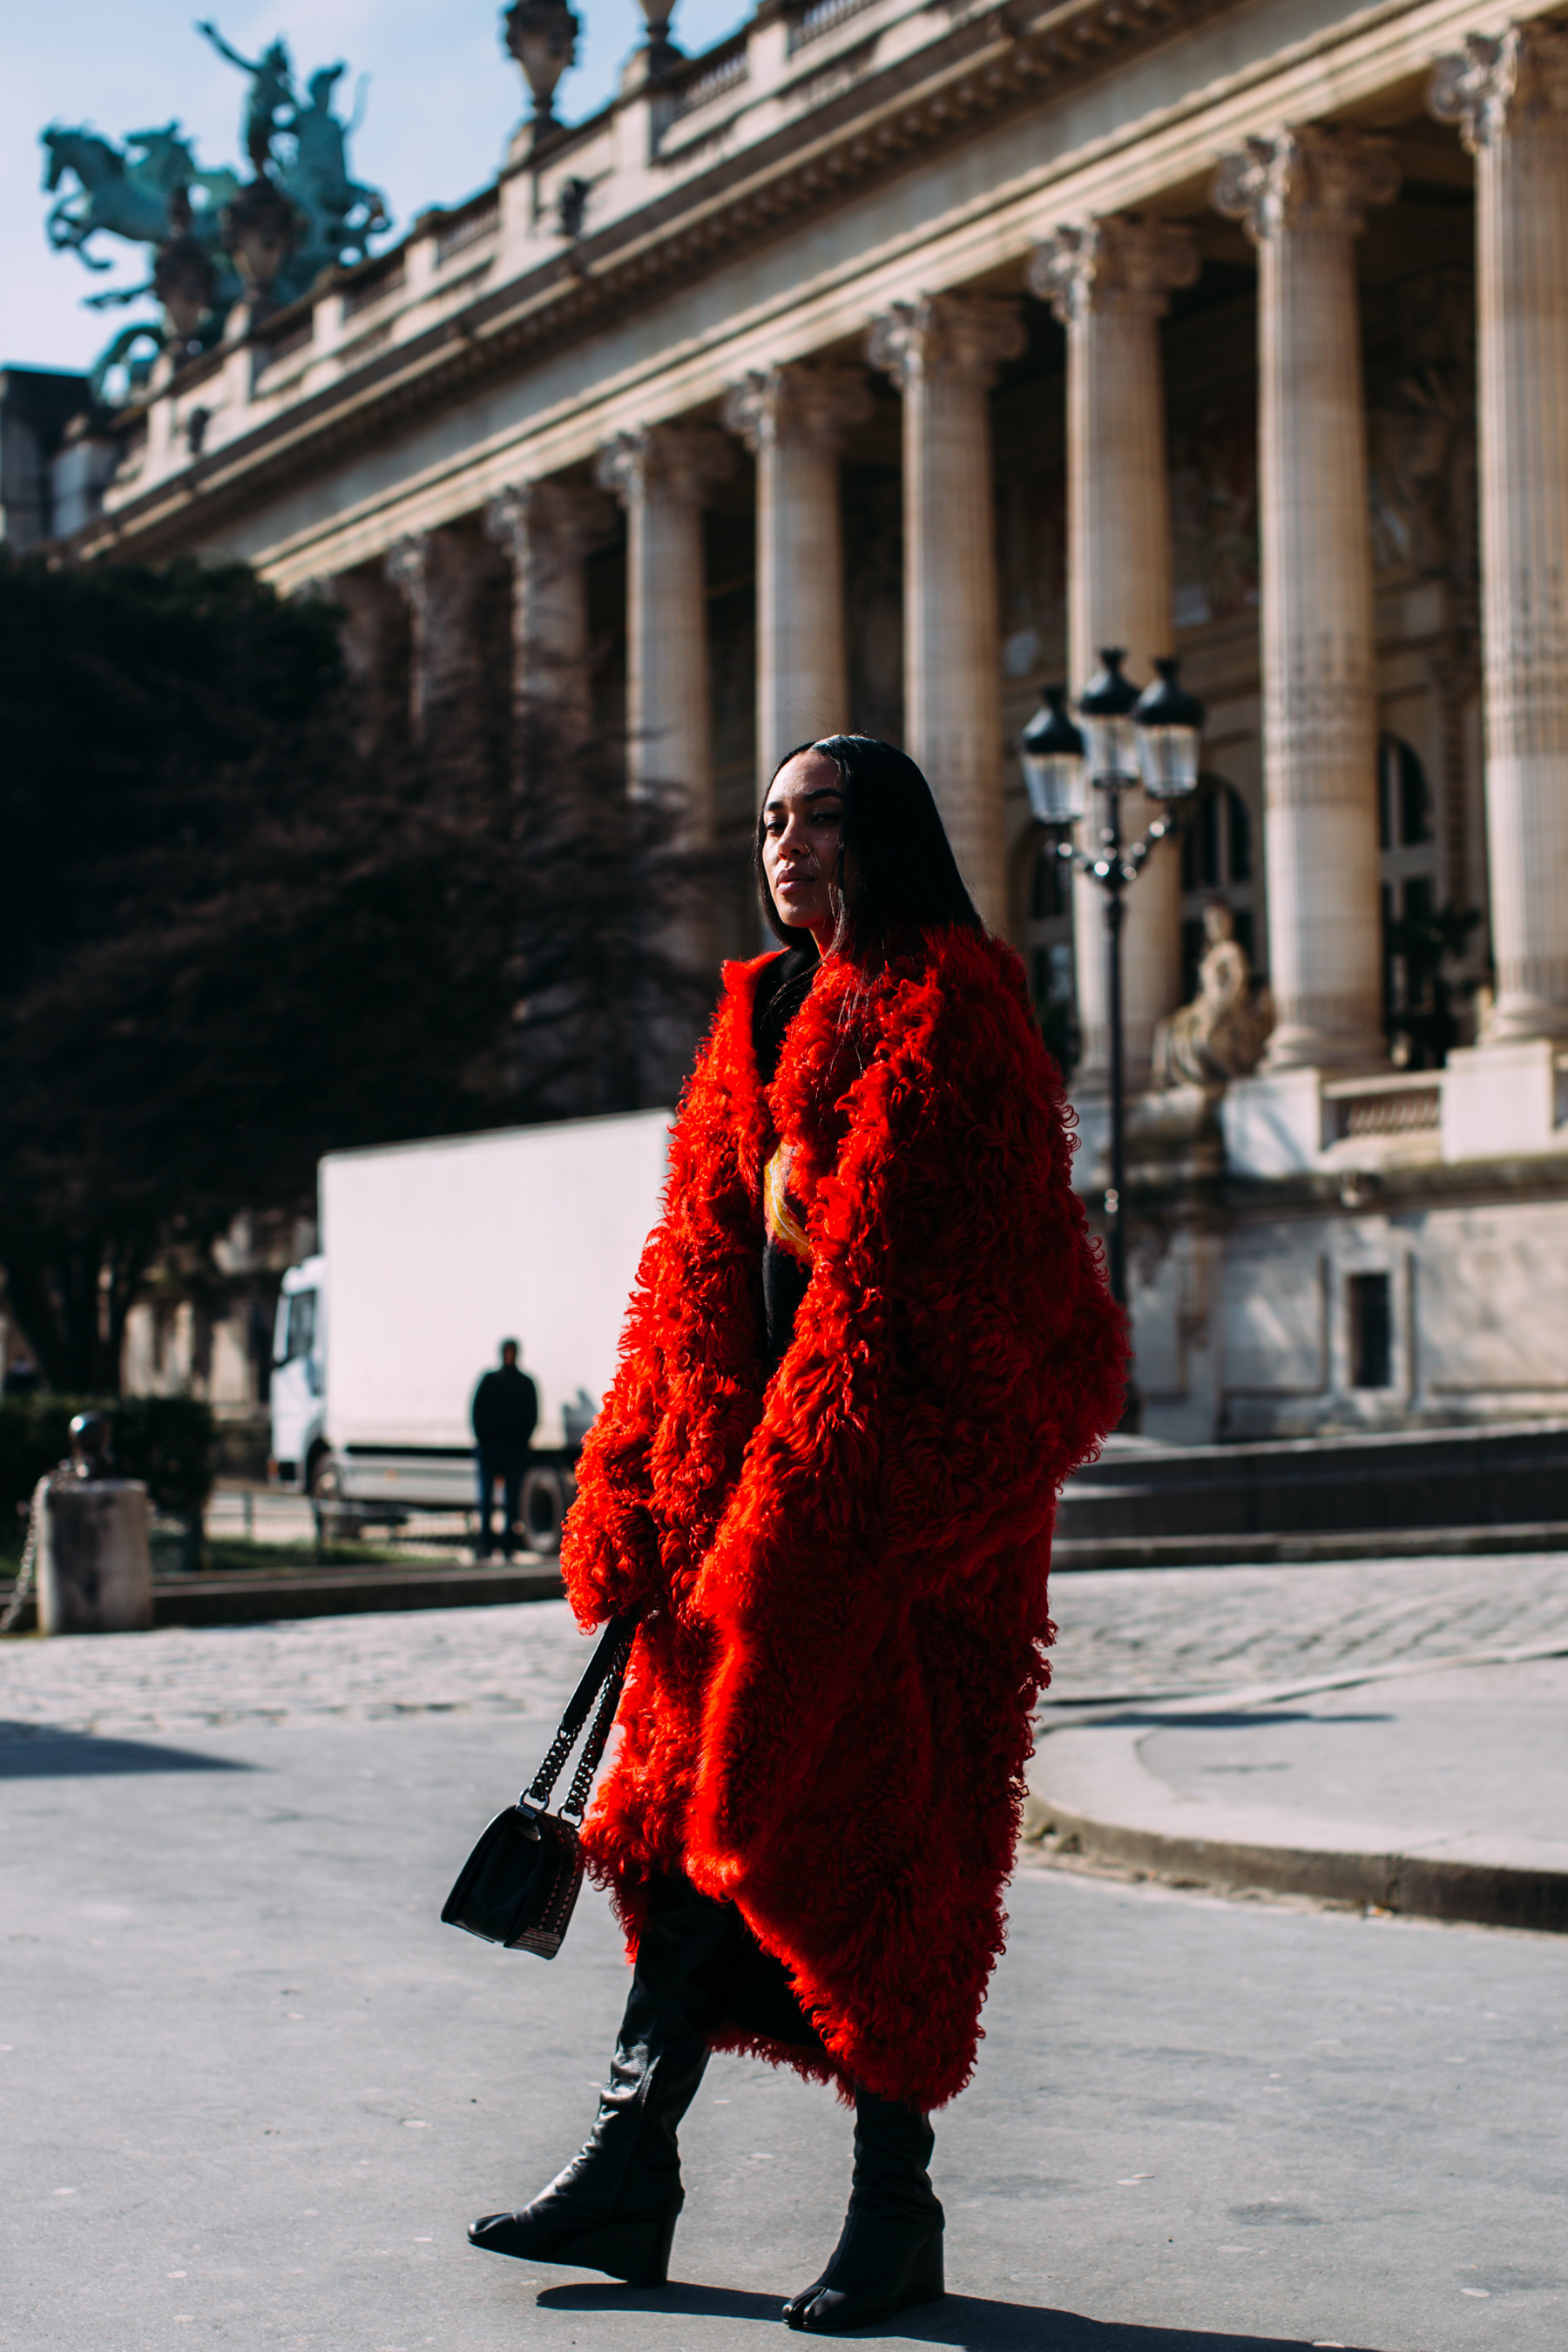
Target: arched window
(1217, 862)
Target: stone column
(1109, 281)
(1510, 98)
(661, 476)
(793, 420)
(1303, 195)
(444, 578)
(375, 639)
(943, 351)
(546, 530)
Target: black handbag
(518, 1886)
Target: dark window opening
(1404, 800)
(1371, 1333)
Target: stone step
(1459, 1479)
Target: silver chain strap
(538, 1790)
(24, 1584)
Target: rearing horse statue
(110, 195)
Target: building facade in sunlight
(891, 359)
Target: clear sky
(442, 101)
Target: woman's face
(802, 821)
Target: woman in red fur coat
(867, 1342)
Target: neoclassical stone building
(891, 358)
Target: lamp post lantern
(1126, 737)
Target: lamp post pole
(1114, 884)
(1155, 733)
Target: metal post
(1115, 1235)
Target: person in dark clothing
(505, 1415)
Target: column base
(1505, 1098)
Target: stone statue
(151, 192)
(1222, 1032)
(343, 212)
(271, 91)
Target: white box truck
(432, 1253)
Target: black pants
(509, 1464)
(742, 1986)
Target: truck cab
(300, 1376)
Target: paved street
(1131, 1631)
(254, 2090)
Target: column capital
(1126, 262)
(1495, 85)
(947, 335)
(806, 405)
(685, 461)
(1322, 176)
(570, 515)
(406, 565)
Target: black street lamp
(1151, 738)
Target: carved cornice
(1321, 176)
(946, 336)
(805, 406)
(1495, 88)
(685, 462)
(1001, 63)
(1126, 262)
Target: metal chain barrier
(24, 1584)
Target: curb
(1089, 1793)
(1278, 1550)
(242, 1600)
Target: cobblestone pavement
(1126, 1631)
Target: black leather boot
(616, 2206)
(889, 2255)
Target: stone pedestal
(1108, 283)
(793, 420)
(1510, 98)
(1506, 1098)
(95, 1561)
(1303, 195)
(943, 351)
(661, 476)
(1273, 1122)
(546, 530)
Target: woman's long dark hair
(905, 874)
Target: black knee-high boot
(614, 2207)
(889, 2255)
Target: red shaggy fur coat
(842, 1574)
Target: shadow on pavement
(966, 2323)
(1223, 1719)
(30, 1751)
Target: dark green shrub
(166, 1441)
